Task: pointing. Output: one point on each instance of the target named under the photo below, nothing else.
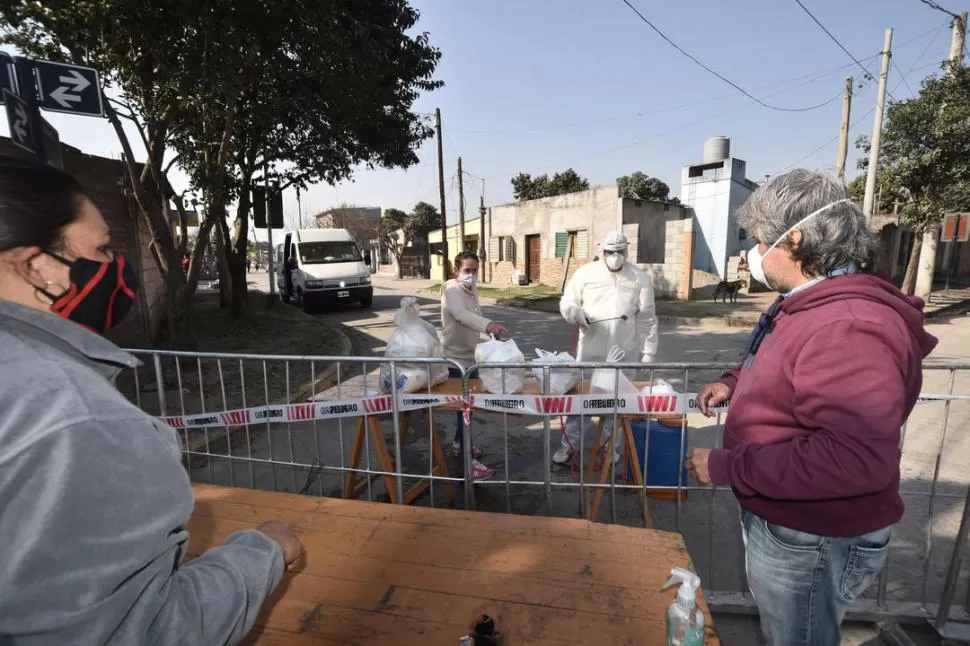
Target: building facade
(715, 190)
(545, 241)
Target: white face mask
(756, 259)
(468, 280)
(614, 262)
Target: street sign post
(18, 119)
(63, 87)
(7, 75)
(50, 142)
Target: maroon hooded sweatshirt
(812, 435)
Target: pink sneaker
(457, 452)
(480, 471)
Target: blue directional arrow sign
(21, 129)
(63, 87)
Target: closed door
(533, 258)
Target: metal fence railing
(372, 428)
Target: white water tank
(716, 149)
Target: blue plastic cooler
(665, 457)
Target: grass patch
(198, 385)
(541, 292)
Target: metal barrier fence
(285, 423)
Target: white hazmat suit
(595, 299)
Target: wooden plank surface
(387, 574)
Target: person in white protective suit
(596, 299)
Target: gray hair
(834, 238)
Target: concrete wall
(104, 180)
(652, 218)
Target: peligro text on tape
(663, 403)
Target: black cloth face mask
(100, 295)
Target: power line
(864, 116)
(933, 5)
(836, 41)
(902, 76)
(723, 78)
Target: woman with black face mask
(93, 496)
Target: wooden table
(392, 574)
(355, 484)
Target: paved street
(516, 447)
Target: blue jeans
(454, 373)
(804, 583)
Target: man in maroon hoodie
(811, 442)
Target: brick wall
(103, 179)
(500, 273)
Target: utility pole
(844, 129)
(481, 235)
(461, 209)
(441, 198)
(931, 235)
(271, 260)
(299, 206)
(867, 204)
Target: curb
(953, 309)
(325, 379)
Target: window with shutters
(582, 243)
(501, 249)
(562, 243)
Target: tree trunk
(909, 280)
(927, 262)
(239, 251)
(400, 269)
(222, 259)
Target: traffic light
(275, 207)
(259, 207)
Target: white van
(323, 266)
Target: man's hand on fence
(697, 465)
(289, 543)
(710, 395)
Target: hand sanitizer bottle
(685, 621)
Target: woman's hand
(497, 330)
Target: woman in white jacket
(462, 327)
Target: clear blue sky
(542, 85)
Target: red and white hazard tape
(653, 404)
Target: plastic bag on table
(610, 380)
(498, 381)
(561, 380)
(413, 337)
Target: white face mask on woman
(756, 259)
(468, 280)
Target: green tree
(397, 229)
(640, 186)
(925, 156)
(286, 103)
(526, 187)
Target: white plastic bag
(609, 380)
(506, 381)
(413, 337)
(561, 380)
